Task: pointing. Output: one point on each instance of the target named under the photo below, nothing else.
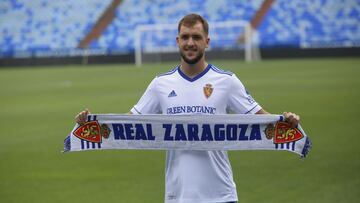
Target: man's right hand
(81, 117)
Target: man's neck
(192, 70)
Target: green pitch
(38, 105)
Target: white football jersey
(197, 176)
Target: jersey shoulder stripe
(169, 72)
(218, 70)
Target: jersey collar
(196, 77)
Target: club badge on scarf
(188, 132)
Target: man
(197, 88)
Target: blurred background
(109, 31)
(60, 57)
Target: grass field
(38, 105)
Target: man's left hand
(291, 118)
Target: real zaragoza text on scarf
(188, 132)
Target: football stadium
(58, 58)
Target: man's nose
(190, 42)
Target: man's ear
(207, 42)
(177, 40)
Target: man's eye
(196, 37)
(184, 37)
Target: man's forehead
(197, 28)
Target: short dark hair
(191, 19)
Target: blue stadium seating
(41, 27)
(44, 28)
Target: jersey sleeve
(240, 101)
(149, 102)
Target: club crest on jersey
(92, 132)
(282, 132)
(208, 90)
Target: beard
(191, 61)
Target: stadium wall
(212, 55)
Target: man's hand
(81, 117)
(291, 118)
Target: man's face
(192, 42)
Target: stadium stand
(41, 28)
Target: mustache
(190, 48)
